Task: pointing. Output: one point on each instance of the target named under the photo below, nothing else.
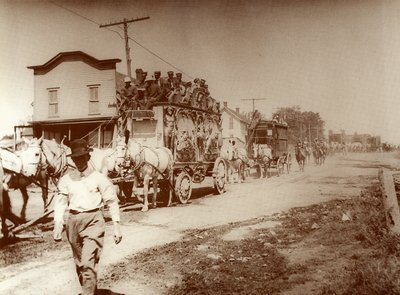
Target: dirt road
(53, 271)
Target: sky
(340, 58)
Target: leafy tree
(249, 116)
(305, 125)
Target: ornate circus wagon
(194, 137)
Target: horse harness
(140, 159)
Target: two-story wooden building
(234, 125)
(74, 96)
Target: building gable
(105, 64)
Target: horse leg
(239, 171)
(44, 183)
(243, 171)
(3, 209)
(135, 188)
(155, 187)
(170, 190)
(146, 181)
(25, 198)
(232, 175)
(6, 213)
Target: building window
(53, 102)
(94, 100)
(230, 122)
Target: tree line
(304, 125)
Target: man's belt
(71, 211)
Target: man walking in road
(84, 191)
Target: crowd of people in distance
(141, 93)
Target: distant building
(74, 93)
(234, 125)
(366, 142)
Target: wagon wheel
(183, 187)
(219, 174)
(288, 163)
(280, 166)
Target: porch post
(99, 137)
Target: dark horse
(300, 157)
(319, 155)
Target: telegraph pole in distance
(127, 49)
(254, 99)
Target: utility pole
(254, 99)
(126, 37)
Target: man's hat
(179, 75)
(79, 147)
(202, 81)
(128, 79)
(138, 71)
(170, 73)
(157, 73)
(144, 73)
(196, 80)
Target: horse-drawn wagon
(173, 145)
(268, 146)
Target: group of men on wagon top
(140, 93)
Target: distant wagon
(268, 146)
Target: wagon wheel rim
(220, 176)
(289, 163)
(183, 187)
(279, 166)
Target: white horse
(108, 161)
(262, 154)
(21, 169)
(148, 163)
(237, 160)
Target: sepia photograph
(199, 147)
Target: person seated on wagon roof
(140, 101)
(154, 90)
(139, 76)
(128, 93)
(168, 84)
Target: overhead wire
(136, 42)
